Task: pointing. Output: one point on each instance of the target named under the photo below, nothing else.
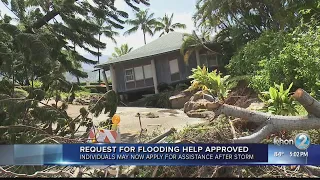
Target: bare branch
(36, 174)
(256, 137)
(23, 127)
(275, 123)
(242, 113)
(233, 130)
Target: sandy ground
(129, 124)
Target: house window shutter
(147, 71)
(138, 73)
(174, 67)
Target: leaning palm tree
(193, 42)
(124, 49)
(144, 21)
(166, 25)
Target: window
(209, 60)
(147, 71)
(212, 60)
(174, 67)
(138, 73)
(129, 75)
(203, 60)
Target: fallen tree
(275, 123)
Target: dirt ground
(130, 126)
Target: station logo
(302, 141)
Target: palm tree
(108, 32)
(193, 42)
(124, 49)
(166, 25)
(144, 21)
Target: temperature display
(278, 154)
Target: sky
(182, 9)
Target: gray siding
(163, 67)
(122, 85)
(120, 77)
(162, 70)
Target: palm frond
(162, 34)
(132, 30)
(178, 25)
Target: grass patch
(78, 94)
(301, 110)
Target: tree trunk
(44, 20)
(74, 49)
(105, 79)
(274, 123)
(78, 80)
(99, 59)
(311, 105)
(13, 82)
(144, 36)
(32, 78)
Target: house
(159, 61)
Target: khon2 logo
(302, 141)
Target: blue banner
(158, 154)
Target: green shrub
(181, 87)
(20, 93)
(279, 101)
(160, 100)
(37, 84)
(6, 87)
(94, 90)
(164, 87)
(282, 58)
(82, 93)
(211, 82)
(247, 60)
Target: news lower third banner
(158, 154)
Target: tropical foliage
(37, 52)
(279, 101)
(144, 21)
(281, 58)
(212, 82)
(107, 30)
(192, 43)
(166, 25)
(242, 21)
(124, 49)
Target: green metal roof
(167, 43)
